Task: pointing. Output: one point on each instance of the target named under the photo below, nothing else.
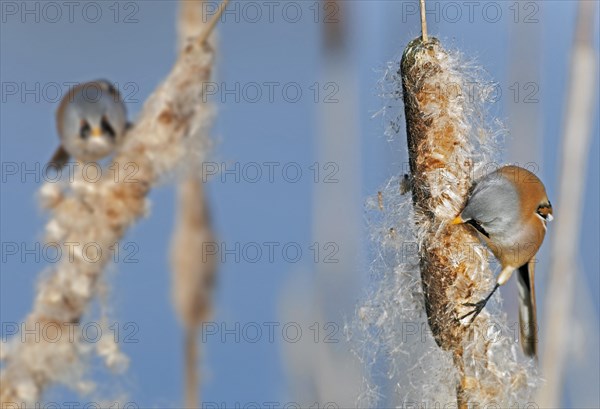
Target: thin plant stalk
(193, 268)
(579, 117)
(101, 213)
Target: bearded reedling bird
(509, 210)
(91, 121)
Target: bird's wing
(527, 312)
(59, 159)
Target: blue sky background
(142, 53)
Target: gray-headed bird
(509, 209)
(91, 121)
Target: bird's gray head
(91, 120)
(493, 206)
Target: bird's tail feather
(527, 309)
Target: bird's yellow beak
(96, 132)
(457, 220)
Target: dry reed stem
(193, 271)
(442, 143)
(424, 35)
(324, 371)
(101, 213)
(579, 120)
(191, 374)
(210, 26)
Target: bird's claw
(477, 308)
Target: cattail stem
(213, 22)
(191, 368)
(437, 132)
(193, 274)
(442, 146)
(101, 212)
(423, 21)
(193, 270)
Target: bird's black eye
(107, 129)
(84, 130)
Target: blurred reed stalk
(193, 271)
(101, 213)
(443, 144)
(193, 274)
(326, 371)
(578, 122)
(337, 206)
